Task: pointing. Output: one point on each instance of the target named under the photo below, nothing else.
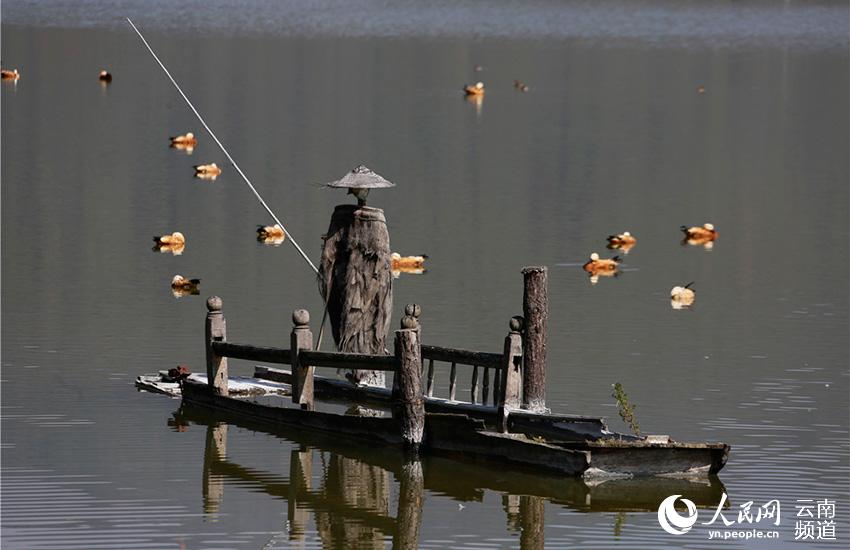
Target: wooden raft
(490, 427)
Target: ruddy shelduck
(400, 262)
(597, 264)
(624, 238)
(705, 232)
(187, 139)
(271, 234)
(207, 171)
(477, 89)
(105, 76)
(175, 238)
(180, 286)
(6, 74)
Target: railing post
(535, 309)
(409, 404)
(509, 397)
(302, 375)
(410, 321)
(215, 331)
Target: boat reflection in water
(351, 505)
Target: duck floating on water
(413, 265)
(6, 74)
(105, 76)
(477, 89)
(399, 261)
(174, 238)
(521, 86)
(271, 234)
(207, 171)
(600, 265)
(696, 235)
(185, 139)
(624, 238)
(706, 231)
(682, 296)
(181, 286)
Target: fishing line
(233, 162)
(241, 173)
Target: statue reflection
(350, 500)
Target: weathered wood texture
(462, 356)
(410, 404)
(453, 382)
(556, 427)
(511, 375)
(301, 341)
(356, 282)
(252, 353)
(473, 385)
(215, 331)
(535, 309)
(409, 515)
(340, 360)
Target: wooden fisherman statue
(355, 277)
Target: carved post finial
(409, 322)
(300, 317)
(517, 323)
(413, 310)
(213, 303)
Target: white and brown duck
(271, 234)
(207, 171)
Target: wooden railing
(407, 363)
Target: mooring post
(409, 403)
(535, 309)
(216, 331)
(410, 321)
(509, 397)
(302, 375)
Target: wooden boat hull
(461, 434)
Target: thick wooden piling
(409, 403)
(302, 375)
(215, 331)
(511, 374)
(535, 309)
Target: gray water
(612, 136)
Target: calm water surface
(613, 136)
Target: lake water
(613, 135)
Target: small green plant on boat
(626, 409)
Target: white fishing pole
(233, 162)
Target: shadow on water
(351, 504)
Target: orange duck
(600, 265)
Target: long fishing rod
(241, 173)
(230, 158)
